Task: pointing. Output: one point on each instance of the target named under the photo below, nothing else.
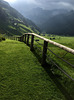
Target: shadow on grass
(47, 68)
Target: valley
(36, 50)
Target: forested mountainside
(13, 23)
(57, 21)
(62, 24)
(39, 16)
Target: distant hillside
(40, 16)
(62, 24)
(13, 23)
(57, 21)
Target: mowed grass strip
(21, 75)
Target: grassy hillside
(21, 75)
(10, 20)
(61, 24)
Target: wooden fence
(25, 38)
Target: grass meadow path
(21, 75)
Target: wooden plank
(54, 43)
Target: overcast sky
(45, 4)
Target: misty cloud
(56, 4)
(45, 4)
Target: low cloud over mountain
(45, 4)
(52, 16)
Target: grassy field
(69, 42)
(23, 78)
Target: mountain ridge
(60, 24)
(10, 20)
(38, 15)
(57, 21)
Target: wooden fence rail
(25, 38)
(54, 43)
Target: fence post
(16, 38)
(28, 39)
(19, 38)
(25, 38)
(22, 38)
(44, 53)
(32, 41)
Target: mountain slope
(40, 16)
(62, 24)
(11, 21)
(57, 21)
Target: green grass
(28, 29)
(2, 37)
(21, 75)
(67, 41)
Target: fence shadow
(47, 68)
(42, 60)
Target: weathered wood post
(44, 53)
(28, 39)
(32, 42)
(18, 38)
(25, 38)
(22, 38)
(13, 38)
